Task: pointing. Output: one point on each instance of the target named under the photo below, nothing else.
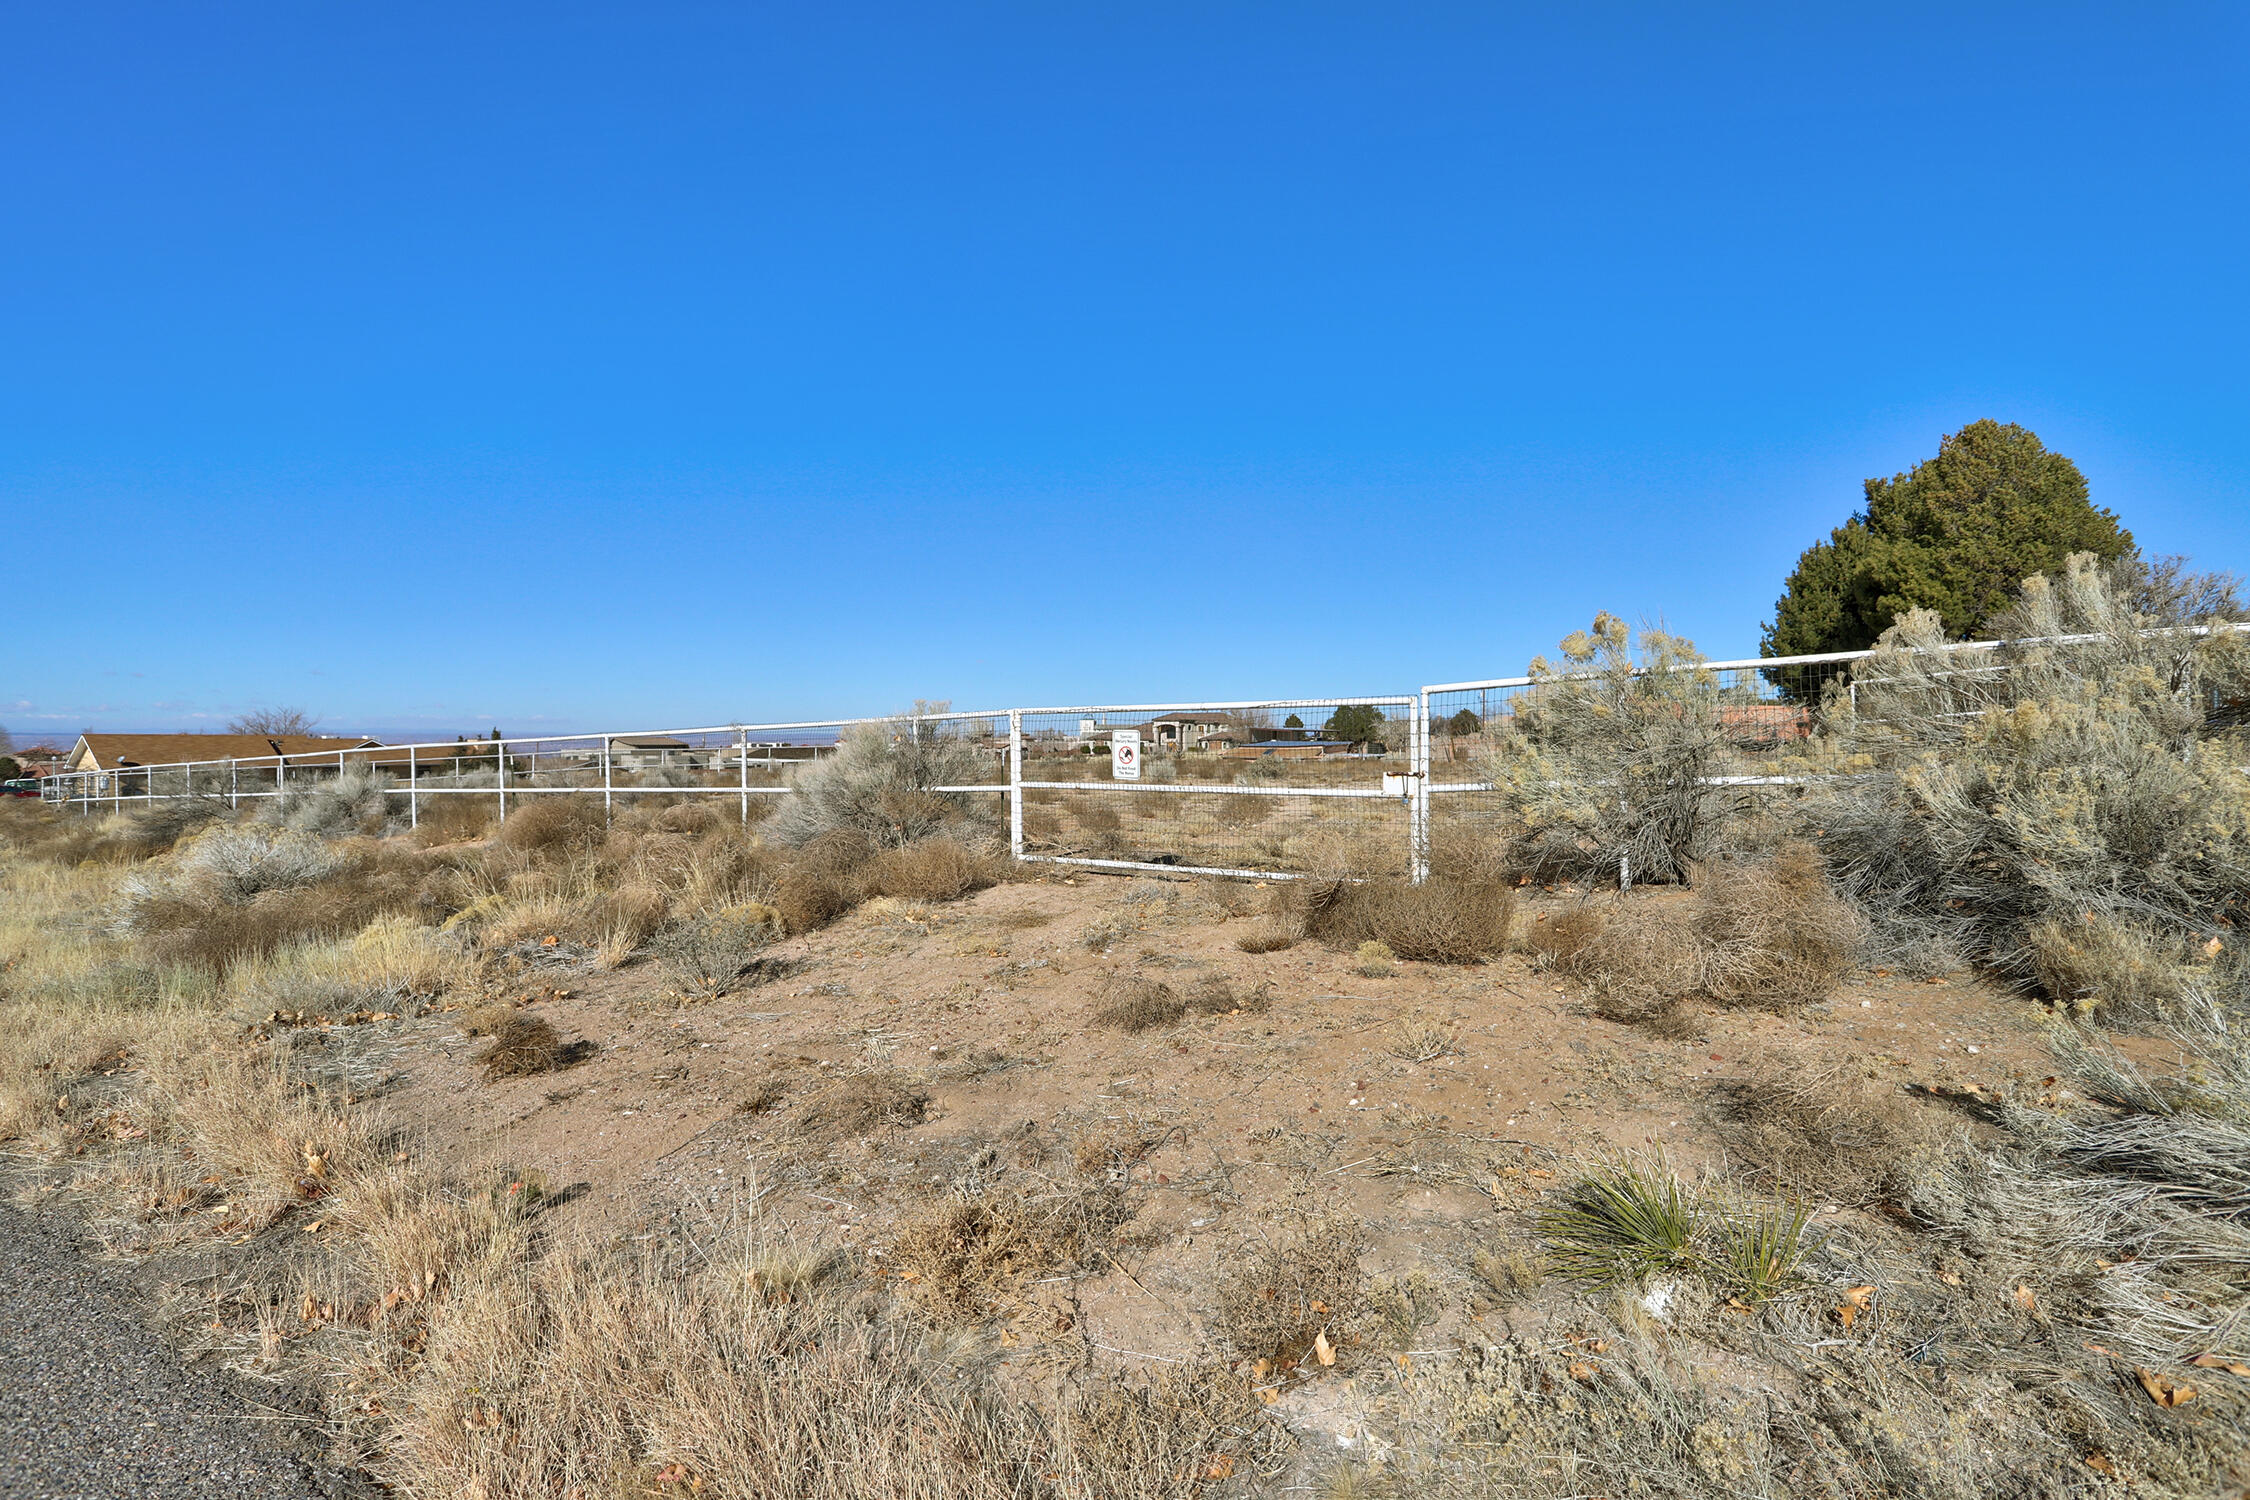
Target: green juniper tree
(1956, 535)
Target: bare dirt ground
(1436, 1104)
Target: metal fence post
(742, 749)
(234, 785)
(606, 814)
(413, 790)
(1015, 783)
(500, 760)
(1418, 790)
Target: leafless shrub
(1771, 933)
(881, 782)
(1774, 932)
(1639, 959)
(1128, 1002)
(809, 900)
(1280, 1295)
(524, 1045)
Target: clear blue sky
(567, 365)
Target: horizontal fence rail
(1252, 788)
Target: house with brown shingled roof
(113, 752)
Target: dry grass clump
(1130, 1002)
(964, 1255)
(1215, 995)
(236, 892)
(552, 825)
(595, 1373)
(524, 1045)
(452, 820)
(1832, 1130)
(862, 1103)
(710, 953)
(1639, 959)
(1374, 960)
(2099, 963)
(1282, 1294)
(1417, 1039)
(935, 869)
(1269, 939)
(1566, 1416)
(1772, 934)
(1446, 919)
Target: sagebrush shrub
(881, 782)
(356, 799)
(1605, 763)
(2072, 775)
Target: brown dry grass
(584, 1372)
(1776, 932)
(554, 826)
(859, 1104)
(1832, 1130)
(453, 819)
(1129, 1002)
(1772, 934)
(1269, 939)
(1283, 1293)
(523, 1045)
(1446, 919)
(939, 869)
(965, 1255)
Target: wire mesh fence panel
(1287, 787)
(1354, 785)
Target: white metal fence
(1261, 788)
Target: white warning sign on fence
(1125, 755)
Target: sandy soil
(986, 1004)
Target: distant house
(1200, 731)
(37, 760)
(648, 752)
(117, 752)
(1765, 723)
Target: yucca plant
(1625, 1219)
(1759, 1248)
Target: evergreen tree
(1957, 534)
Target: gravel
(94, 1406)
